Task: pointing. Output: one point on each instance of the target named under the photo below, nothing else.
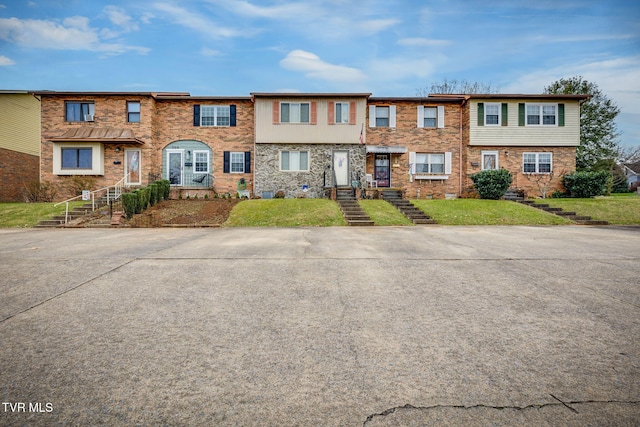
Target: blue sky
(386, 47)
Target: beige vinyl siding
(304, 133)
(20, 123)
(531, 136)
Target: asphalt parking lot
(339, 326)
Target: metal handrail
(118, 186)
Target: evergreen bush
(584, 184)
(492, 184)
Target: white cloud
(617, 78)
(280, 11)
(196, 22)
(6, 61)
(422, 42)
(118, 17)
(316, 68)
(75, 33)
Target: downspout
(464, 101)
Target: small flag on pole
(362, 134)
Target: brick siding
(16, 171)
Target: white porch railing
(113, 193)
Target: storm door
(382, 170)
(175, 169)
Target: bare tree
(456, 87)
(543, 180)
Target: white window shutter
(412, 161)
(372, 116)
(420, 116)
(392, 116)
(447, 163)
(441, 116)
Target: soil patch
(196, 213)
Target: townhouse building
(305, 144)
(200, 144)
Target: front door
(174, 162)
(382, 172)
(132, 167)
(341, 167)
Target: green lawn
(285, 213)
(28, 214)
(486, 212)
(382, 213)
(623, 209)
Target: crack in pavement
(482, 406)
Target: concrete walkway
(336, 326)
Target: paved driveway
(320, 326)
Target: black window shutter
(521, 114)
(227, 161)
(480, 113)
(232, 114)
(560, 114)
(505, 114)
(196, 115)
(247, 162)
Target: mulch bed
(185, 213)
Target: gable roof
(633, 167)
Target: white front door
(341, 167)
(174, 166)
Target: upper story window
(215, 115)
(133, 111)
(291, 112)
(492, 114)
(342, 112)
(80, 111)
(430, 117)
(541, 114)
(382, 116)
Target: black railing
(191, 180)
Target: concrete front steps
(59, 220)
(74, 214)
(573, 216)
(394, 197)
(351, 210)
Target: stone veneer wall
(268, 176)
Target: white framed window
(492, 114)
(237, 162)
(133, 111)
(542, 114)
(201, 161)
(430, 117)
(294, 161)
(489, 160)
(291, 112)
(537, 162)
(342, 112)
(215, 115)
(429, 163)
(382, 116)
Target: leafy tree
(456, 87)
(598, 131)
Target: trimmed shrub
(586, 184)
(129, 202)
(492, 184)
